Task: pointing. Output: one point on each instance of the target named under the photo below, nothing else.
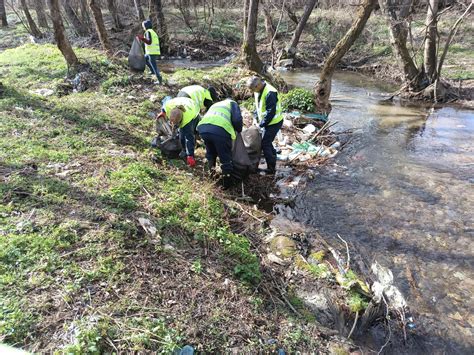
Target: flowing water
(402, 193)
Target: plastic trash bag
(171, 147)
(240, 159)
(136, 57)
(253, 144)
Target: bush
(298, 99)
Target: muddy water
(403, 194)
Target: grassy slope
(77, 273)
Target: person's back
(203, 97)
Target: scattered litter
(384, 288)
(43, 92)
(149, 227)
(309, 129)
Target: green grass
(76, 171)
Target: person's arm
(236, 117)
(270, 103)
(146, 39)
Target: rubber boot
(227, 181)
(271, 169)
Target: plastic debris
(383, 287)
(43, 92)
(309, 129)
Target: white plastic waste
(287, 123)
(309, 129)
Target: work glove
(190, 161)
(140, 38)
(162, 114)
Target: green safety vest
(190, 112)
(262, 105)
(198, 94)
(154, 47)
(220, 115)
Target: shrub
(298, 99)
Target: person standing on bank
(270, 117)
(152, 49)
(218, 129)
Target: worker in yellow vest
(218, 129)
(203, 97)
(152, 49)
(269, 117)
(183, 113)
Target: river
(402, 193)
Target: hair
(213, 92)
(253, 82)
(176, 115)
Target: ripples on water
(403, 193)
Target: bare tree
(100, 26)
(291, 48)
(85, 18)
(80, 28)
(431, 23)
(156, 8)
(61, 40)
(269, 26)
(323, 86)
(246, 15)
(249, 47)
(396, 14)
(3, 14)
(138, 10)
(112, 6)
(32, 27)
(40, 13)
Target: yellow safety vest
(154, 47)
(220, 115)
(198, 94)
(262, 105)
(190, 112)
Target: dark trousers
(269, 151)
(219, 146)
(187, 138)
(151, 63)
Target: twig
(347, 251)
(389, 328)
(353, 325)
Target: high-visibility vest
(154, 47)
(198, 94)
(262, 105)
(220, 115)
(190, 112)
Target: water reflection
(403, 194)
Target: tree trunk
(34, 30)
(396, 14)
(269, 26)
(157, 7)
(430, 40)
(61, 40)
(40, 13)
(3, 14)
(112, 6)
(138, 10)
(79, 27)
(100, 27)
(246, 16)
(85, 18)
(323, 86)
(291, 49)
(249, 47)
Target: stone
(283, 247)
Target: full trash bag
(253, 144)
(240, 159)
(136, 57)
(171, 147)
